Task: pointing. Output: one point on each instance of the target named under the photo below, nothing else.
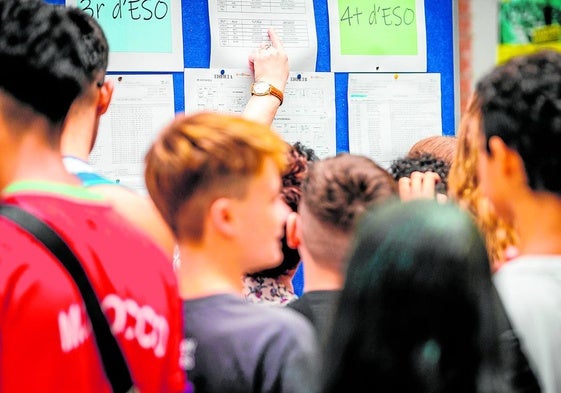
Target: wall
(478, 40)
(485, 39)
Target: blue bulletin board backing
(440, 56)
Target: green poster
(526, 26)
(379, 27)
(527, 21)
(133, 25)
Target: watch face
(261, 88)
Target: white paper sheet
(306, 115)
(143, 36)
(140, 107)
(388, 113)
(238, 27)
(377, 36)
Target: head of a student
(42, 68)
(95, 99)
(442, 147)
(464, 188)
(520, 104)
(299, 156)
(335, 193)
(415, 313)
(217, 178)
(422, 162)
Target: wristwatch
(261, 88)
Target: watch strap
(272, 91)
(277, 93)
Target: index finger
(275, 39)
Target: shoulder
(95, 232)
(527, 271)
(91, 179)
(529, 287)
(20, 254)
(85, 172)
(261, 319)
(140, 211)
(301, 304)
(286, 320)
(134, 206)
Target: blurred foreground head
(415, 313)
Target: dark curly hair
(520, 102)
(422, 162)
(299, 157)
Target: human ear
(105, 94)
(221, 215)
(510, 162)
(293, 223)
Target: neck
(205, 272)
(32, 159)
(79, 132)
(319, 277)
(286, 281)
(538, 221)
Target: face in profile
(493, 180)
(262, 214)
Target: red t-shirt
(46, 343)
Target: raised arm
(268, 63)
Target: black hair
(96, 46)
(520, 102)
(415, 313)
(43, 65)
(422, 162)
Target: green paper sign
(378, 27)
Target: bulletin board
(440, 48)
(439, 16)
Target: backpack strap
(114, 363)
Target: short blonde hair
(202, 157)
(463, 187)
